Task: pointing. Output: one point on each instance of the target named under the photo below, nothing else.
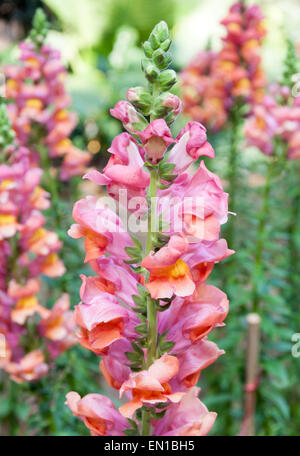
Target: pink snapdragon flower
(151, 386)
(148, 311)
(191, 143)
(130, 118)
(102, 320)
(156, 138)
(169, 274)
(189, 417)
(98, 414)
(101, 228)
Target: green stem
(261, 235)
(232, 176)
(13, 419)
(293, 250)
(151, 310)
(146, 422)
(51, 183)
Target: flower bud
(173, 102)
(161, 59)
(167, 106)
(167, 79)
(147, 49)
(161, 31)
(132, 120)
(140, 98)
(150, 69)
(165, 45)
(153, 41)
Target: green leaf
(5, 407)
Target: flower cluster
(33, 334)
(148, 310)
(276, 118)
(38, 111)
(212, 82)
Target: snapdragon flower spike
(39, 108)
(148, 311)
(213, 81)
(28, 250)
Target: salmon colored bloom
(151, 386)
(102, 320)
(169, 274)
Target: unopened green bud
(167, 79)
(148, 49)
(161, 59)
(40, 27)
(165, 45)
(153, 41)
(140, 98)
(159, 110)
(161, 31)
(150, 69)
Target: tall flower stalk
(148, 310)
(38, 110)
(219, 88)
(34, 334)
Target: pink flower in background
(58, 326)
(276, 117)
(213, 81)
(30, 250)
(31, 367)
(37, 87)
